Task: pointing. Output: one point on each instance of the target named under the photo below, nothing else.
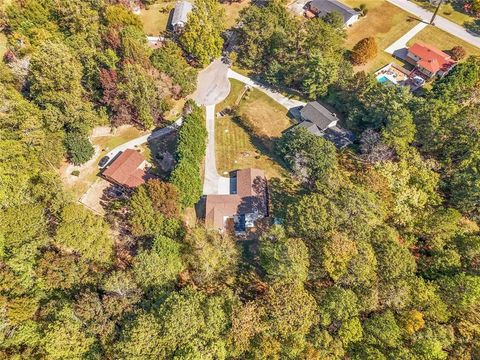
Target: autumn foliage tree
(458, 52)
(363, 51)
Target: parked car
(103, 161)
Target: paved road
(399, 47)
(212, 84)
(213, 183)
(143, 139)
(440, 22)
(281, 99)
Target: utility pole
(436, 11)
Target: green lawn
(154, 19)
(384, 21)
(443, 40)
(237, 147)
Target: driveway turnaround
(440, 22)
(212, 84)
(399, 47)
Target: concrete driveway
(213, 183)
(143, 139)
(399, 47)
(213, 87)
(212, 84)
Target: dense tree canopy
(373, 252)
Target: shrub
(458, 52)
(79, 149)
(363, 51)
(190, 151)
(75, 172)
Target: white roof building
(180, 14)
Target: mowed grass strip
(443, 40)
(237, 147)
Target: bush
(363, 51)
(192, 140)
(79, 149)
(458, 53)
(75, 172)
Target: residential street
(440, 22)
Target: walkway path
(440, 22)
(286, 102)
(143, 139)
(399, 47)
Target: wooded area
(376, 254)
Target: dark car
(103, 161)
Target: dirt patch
(93, 196)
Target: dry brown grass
(385, 22)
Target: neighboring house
(246, 203)
(320, 8)
(129, 170)
(180, 15)
(429, 60)
(320, 121)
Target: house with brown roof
(430, 61)
(129, 169)
(246, 203)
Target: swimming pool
(382, 79)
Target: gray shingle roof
(318, 114)
(328, 6)
(180, 14)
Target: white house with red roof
(429, 60)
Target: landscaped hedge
(191, 145)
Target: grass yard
(447, 11)
(3, 44)
(443, 40)
(3, 37)
(232, 12)
(154, 19)
(384, 21)
(78, 185)
(237, 147)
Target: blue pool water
(382, 79)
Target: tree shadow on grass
(265, 145)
